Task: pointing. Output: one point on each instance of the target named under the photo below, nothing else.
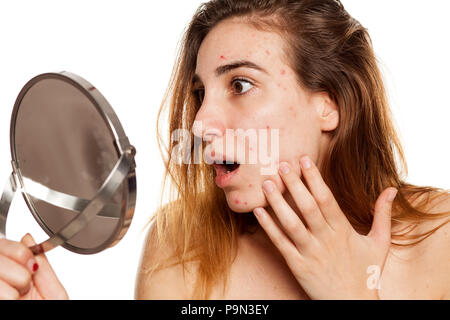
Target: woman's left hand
(329, 259)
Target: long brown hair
(330, 52)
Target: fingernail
(306, 162)
(32, 265)
(258, 212)
(284, 168)
(392, 194)
(268, 186)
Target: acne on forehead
(231, 37)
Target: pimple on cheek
(236, 201)
(250, 185)
(279, 86)
(283, 72)
(245, 203)
(223, 58)
(294, 114)
(268, 52)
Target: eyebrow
(231, 66)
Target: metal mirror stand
(87, 209)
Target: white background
(127, 49)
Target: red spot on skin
(251, 149)
(291, 108)
(250, 185)
(283, 72)
(245, 202)
(268, 127)
(236, 201)
(268, 52)
(213, 153)
(279, 85)
(223, 58)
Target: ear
(327, 111)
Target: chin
(236, 209)
(243, 203)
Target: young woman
(336, 221)
(332, 223)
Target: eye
(241, 86)
(199, 94)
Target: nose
(207, 130)
(209, 123)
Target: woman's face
(245, 84)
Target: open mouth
(226, 173)
(226, 168)
(231, 167)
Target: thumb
(381, 226)
(28, 240)
(45, 279)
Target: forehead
(233, 39)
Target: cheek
(293, 112)
(300, 134)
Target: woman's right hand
(25, 276)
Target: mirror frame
(121, 144)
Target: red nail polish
(35, 267)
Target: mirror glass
(64, 149)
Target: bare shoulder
(440, 248)
(170, 282)
(435, 250)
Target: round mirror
(66, 147)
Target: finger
(45, 278)
(18, 252)
(323, 196)
(381, 226)
(15, 274)
(7, 292)
(303, 199)
(276, 235)
(289, 220)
